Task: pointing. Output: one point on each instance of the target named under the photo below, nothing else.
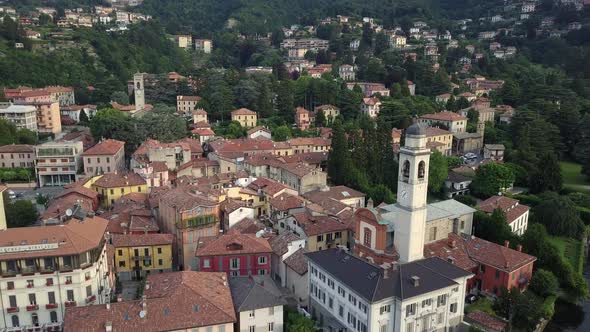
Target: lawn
(573, 178)
(483, 304)
(571, 250)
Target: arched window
(15, 322)
(53, 316)
(139, 85)
(367, 237)
(421, 170)
(406, 170)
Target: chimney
(507, 244)
(108, 327)
(415, 281)
(453, 244)
(519, 247)
(119, 298)
(108, 306)
(370, 203)
(147, 285)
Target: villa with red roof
(245, 117)
(236, 254)
(105, 157)
(517, 215)
(454, 122)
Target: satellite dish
(142, 314)
(69, 212)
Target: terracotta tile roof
(58, 206)
(257, 128)
(315, 225)
(73, 238)
(489, 322)
(484, 252)
(232, 244)
(137, 240)
(186, 198)
(280, 243)
(338, 193)
(78, 190)
(309, 158)
(106, 147)
(243, 111)
(242, 145)
(17, 148)
(452, 250)
(199, 111)
(159, 166)
(301, 110)
(326, 107)
(371, 101)
(444, 116)
(193, 144)
(203, 132)
(232, 204)
(201, 124)
(174, 301)
(197, 163)
(115, 180)
(124, 108)
(77, 107)
(312, 141)
(284, 202)
(58, 88)
(268, 186)
(510, 206)
(435, 131)
(297, 262)
(299, 169)
(188, 98)
(246, 226)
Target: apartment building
(371, 107)
(173, 154)
(186, 104)
(46, 269)
(203, 45)
(258, 303)
(22, 116)
(112, 186)
(17, 155)
(423, 295)
(137, 255)
(245, 117)
(58, 163)
(105, 157)
(517, 215)
(200, 117)
(48, 116)
(440, 140)
(453, 122)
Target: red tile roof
(435, 131)
(106, 147)
(510, 206)
(371, 101)
(490, 323)
(174, 301)
(232, 244)
(284, 202)
(243, 111)
(188, 98)
(246, 226)
(203, 132)
(444, 116)
(316, 225)
(17, 148)
(138, 240)
(257, 128)
(115, 180)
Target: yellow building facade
(112, 186)
(137, 255)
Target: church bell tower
(412, 190)
(138, 88)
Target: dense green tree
(559, 215)
(120, 97)
(320, 119)
(547, 176)
(338, 159)
(491, 178)
(296, 322)
(281, 133)
(20, 213)
(544, 283)
(438, 171)
(492, 227)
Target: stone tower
(412, 188)
(139, 91)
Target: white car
(470, 155)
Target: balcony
(69, 304)
(28, 270)
(33, 307)
(11, 309)
(141, 258)
(51, 306)
(90, 299)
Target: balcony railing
(90, 299)
(51, 306)
(141, 258)
(69, 304)
(11, 309)
(32, 307)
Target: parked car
(11, 194)
(470, 155)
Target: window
(10, 285)
(70, 295)
(363, 307)
(383, 328)
(341, 292)
(68, 280)
(261, 272)
(441, 317)
(15, 322)
(159, 250)
(352, 299)
(221, 328)
(120, 252)
(121, 263)
(32, 299)
(113, 191)
(441, 300)
(122, 190)
(432, 234)
(251, 314)
(160, 262)
(331, 283)
(320, 238)
(426, 303)
(262, 260)
(340, 311)
(421, 170)
(482, 268)
(337, 235)
(330, 302)
(12, 301)
(367, 237)
(410, 327)
(454, 307)
(234, 263)
(406, 170)
(252, 328)
(271, 311)
(410, 309)
(53, 316)
(88, 291)
(497, 274)
(51, 297)
(384, 309)
(30, 284)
